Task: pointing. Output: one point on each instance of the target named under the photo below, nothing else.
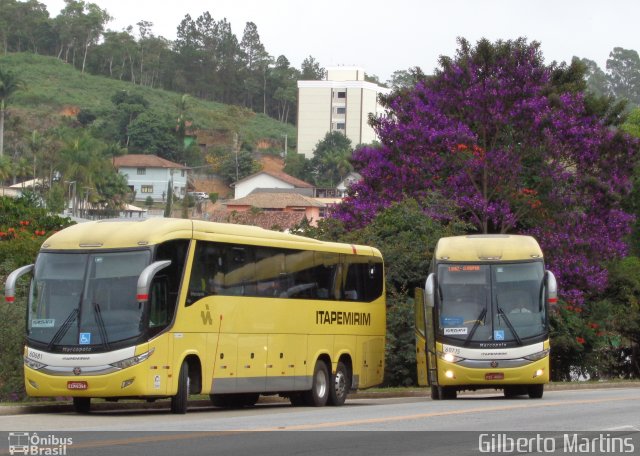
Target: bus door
(425, 340)
(421, 338)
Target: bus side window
(176, 251)
(326, 273)
(364, 280)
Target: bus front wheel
(180, 400)
(535, 391)
(319, 393)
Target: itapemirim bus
(167, 307)
(482, 319)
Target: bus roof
(487, 247)
(118, 234)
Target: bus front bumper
(132, 381)
(452, 374)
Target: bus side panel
(209, 362)
(318, 345)
(370, 361)
(224, 370)
(159, 380)
(284, 360)
(251, 365)
(343, 345)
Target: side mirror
(10, 284)
(552, 289)
(429, 290)
(146, 277)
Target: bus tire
(535, 391)
(318, 395)
(435, 393)
(180, 400)
(449, 392)
(82, 404)
(340, 385)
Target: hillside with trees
(206, 60)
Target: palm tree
(9, 84)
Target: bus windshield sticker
(452, 321)
(455, 331)
(43, 323)
(85, 338)
(465, 268)
(498, 334)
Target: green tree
(238, 166)
(331, 159)
(597, 81)
(283, 89)
(254, 58)
(127, 108)
(623, 66)
(152, 133)
(310, 70)
(9, 84)
(405, 79)
(55, 198)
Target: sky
(386, 36)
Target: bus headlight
(450, 357)
(35, 365)
(537, 356)
(133, 360)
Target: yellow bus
(482, 320)
(167, 308)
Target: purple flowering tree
(496, 134)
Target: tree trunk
(84, 58)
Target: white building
(342, 103)
(270, 180)
(149, 175)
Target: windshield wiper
(508, 322)
(101, 327)
(57, 337)
(479, 320)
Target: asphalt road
(472, 424)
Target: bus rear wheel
(535, 391)
(340, 385)
(180, 400)
(318, 395)
(82, 404)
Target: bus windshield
(499, 302)
(86, 299)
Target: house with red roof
(271, 201)
(269, 180)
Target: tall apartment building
(341, 103)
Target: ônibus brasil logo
(42, 445)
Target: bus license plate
(77, 385)
(494, 376)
